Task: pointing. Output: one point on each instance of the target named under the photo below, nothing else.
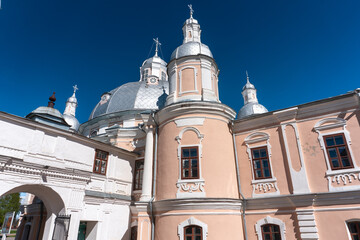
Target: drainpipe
(238, 180)
(154, 180)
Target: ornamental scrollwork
(191, 187)
(265, 187)
(345, 178)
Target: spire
(71, 103)
(52, 99)
(248, 85)
(249, 91)
(191, 28)
(191, 10)
(157, 44)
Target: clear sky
(295, 51)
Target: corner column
(148, 165)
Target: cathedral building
(163, 158)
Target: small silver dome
(191, 49)
(250, 109)
(133, 96)
(47, 110)
(155, 59)
(72, 121)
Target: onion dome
(192, 45)
(251, 104)
(69, 113)
(147, 94)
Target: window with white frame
(335, 141)
(354, 229)
(192, 229)
(270, 228)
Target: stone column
(148, 165)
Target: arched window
(193, 232)
(271, 232)
(354, 229)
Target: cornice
(198, 204)
(299, 112)
(194, 107)
(304, 200)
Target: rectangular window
(100, 162)
(138, 174)
(261, 164)
(189, 163)
(338, 152)
(163, 76)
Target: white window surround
(347, 228)
(261, 184)
(335, 123)
(192, 221)
(270, 220)
(341, 176)
(197, 190)
(180, 81)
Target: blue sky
(295, 51)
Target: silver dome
(251, 109)
(72, 121)
(155, 59)
(132, 96)
(191, 49)
(48, 110)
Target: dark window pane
(330, 141)
(258, 174)
(256, 153)
(185, 163)
(194, 173)
(263, 152)
(335, 163)
(275, 228)
(352, 227)
(267, 237)
(266, 173)
(186, 173)
(185, 152)
(345, 162)
(257, 164)
(332, 152)
(103, 166)
(198, 230)
(193, 152)
(188, 230)
(266, 228)
(276, 236)
(194, 162)
(265, 163)
(356, 237)
(198, 238)
(188, 238)
(342, 151)
(339, 140)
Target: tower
(70, 109)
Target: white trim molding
(343, 176)
(180, 81)
(307, 225)
(270, 220)
(190, 188)
(264, 186)
(192, 221)
(299, 178)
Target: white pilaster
(148, 165)
(307, 225)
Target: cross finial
(157, 42)
(75, 88)
(191, 10)
(247, 76)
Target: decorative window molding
(270, 220)
(192, 221)
(180, 81)
(138, 174)
(190, 188)
(262, 185)
(341, 176)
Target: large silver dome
(132, 96)
(251, 109)
(191, 49)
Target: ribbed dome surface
(191, 49)
(251, 109)
(133, 96)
